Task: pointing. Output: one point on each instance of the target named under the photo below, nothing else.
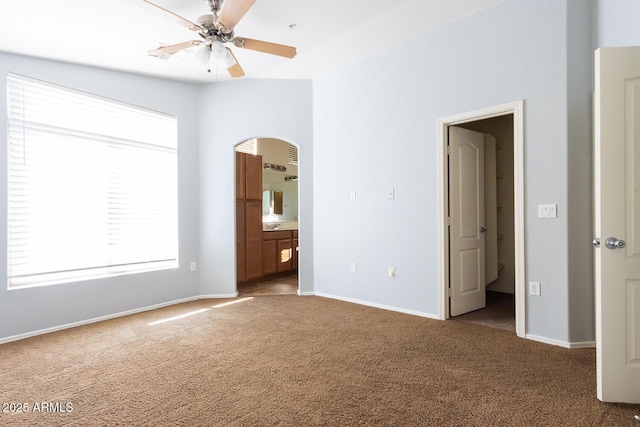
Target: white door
(617, 216)
(466, 212)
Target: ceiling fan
(215, 29)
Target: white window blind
(92, 186)
(293, 155)
(250, 146)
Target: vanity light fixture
(272, 167)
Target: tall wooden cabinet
(248, 216)
(254, 239)
(241, 240)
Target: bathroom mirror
(272, 202)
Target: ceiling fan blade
(182, 21)
(170, 50)
(235, 70)
(266, 47)
(232, 12)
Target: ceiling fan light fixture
(218, 50)
(203, 54)
(229, 61)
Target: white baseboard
(585, 344)
(376, 305)
(94, 320)
(305, 294)
(234, 295)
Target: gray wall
(34, 309)
(381, 114)
(615, 23)
(581, 309)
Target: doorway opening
(267, 243)
(500, 246)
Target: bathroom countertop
(282, 226)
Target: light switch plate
(547, 211)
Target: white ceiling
(116, 34)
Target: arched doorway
(266, 217)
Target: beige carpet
(299, 361)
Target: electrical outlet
(354, 267)
(534, 289)
(392, 272)
(192, 266)
(352, 196)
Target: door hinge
(448, 150)
(448, 292)
(449, 221)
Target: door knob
(613, 243)
(482, 229)
(596, 242)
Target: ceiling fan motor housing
(206, 21)
(214, 31)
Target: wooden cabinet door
(241, 241)
(285, 255)
(295, 253)
(241, 171)
(254, 179)
(254, 239)
(269, 257)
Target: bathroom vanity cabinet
(279, 251)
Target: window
(293, 155)
(250, 146)
(92, 186)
